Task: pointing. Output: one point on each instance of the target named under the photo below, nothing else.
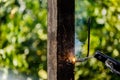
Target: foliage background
(23, 36)
(105, 36)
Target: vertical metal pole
(65, 39)
(60, 39)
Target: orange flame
(73, 60)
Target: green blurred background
(23, 36)
(105, 36)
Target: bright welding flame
(73, 60)
(71, 57)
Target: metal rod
(84, 59)
(89, 23)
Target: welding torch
(111, 63)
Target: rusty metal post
(60, 39)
